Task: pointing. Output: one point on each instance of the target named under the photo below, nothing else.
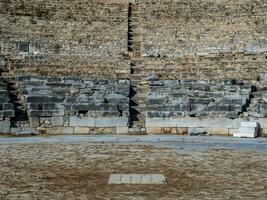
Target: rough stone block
(243, 129)
(231, 131)
(247, 129)
(153, 131)
(8, 106)
(209, 131)
(263, 132)
(57, 121)
(111, 122)
(121, 130)
(245, 135)
(57, 130)
(192, 122)
(7, 113)
(5, 126)
(40, 99)
(45, 113)
(249, 124)
(81, 121)
(67, 130)
(34, 122)
(263, 122)
(81, 130)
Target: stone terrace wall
(75, 105)
(6, 108)
(73, 37)
(204, 38)
(213, 107)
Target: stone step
(134, 23)
(141, 90)
(136, 77)
(134, 41)
(136, 46)
(140, 96)
(135, 82)
(137, 130)
(142, 112)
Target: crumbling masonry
(132, 67)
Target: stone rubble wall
(257, 110)
(214, 107)
(190, 45)
(65, 35)
(203, 38)
(75, 105)
(6, 108)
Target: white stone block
(111, 122)
(209, 131)
(137, 179)
(245, 135)
(82, 121)
(249, 124)
(190, 122)
(247, 130)
(81, 130)
(122, 130)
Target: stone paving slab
(137, 179)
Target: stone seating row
(6, 107)
(197, 98)
(46, 97)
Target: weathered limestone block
(247, 129)
(5, 126)
(112, 122)
(34, 122)
(81, 130)
(82, 122)
(122, 130)
(58, 131)
(208, 131)
(76, 102)
(57, 121)
(38, 99)
(45, 113)
(7, 113)
(192, 122)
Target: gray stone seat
(6, 107)
(49, 97)
(207, 98)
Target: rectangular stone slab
(245, 135)
(137, 179)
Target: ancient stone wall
(80, 36)
(204, 38)
(75, 105)
(192, 66)
(6, 108)
(208, 106)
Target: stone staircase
(20, 121)
(134, 29)
(139, 87)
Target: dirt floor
(81, 171)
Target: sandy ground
(80, 170)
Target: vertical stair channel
(138, 85)
(20, 121)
